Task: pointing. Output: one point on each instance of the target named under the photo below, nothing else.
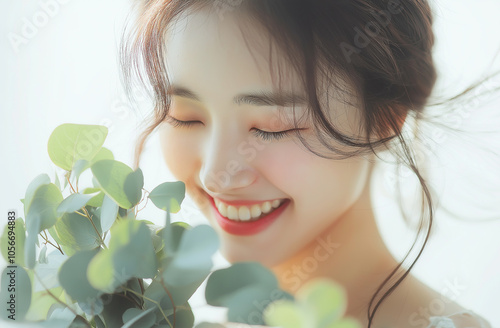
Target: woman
(273, 114)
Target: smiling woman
(314, 100)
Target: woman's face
(278, 195)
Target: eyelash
(259, 133)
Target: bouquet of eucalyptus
(82, 258)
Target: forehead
(217, 59)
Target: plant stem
(54, 297)
(71, 186)
(46, 239)
(155, 302)
(162, 282)
(95, 228)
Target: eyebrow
(264, 98)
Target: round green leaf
(74, 202)
(16, 293)
(111, 176)
(37, 182)
(41, 303)
(77, 232)
(43, 206)
(345, 323)
(130, 254)
(238, 278)
(285, 314)
(245, 288)
(19, 238)
(208, 325)
(192, 261)
(324, 299)
(82, 164)
(31, 240)
(95, 201)
(109, 211)
(135, 318)
(133, 186)
(73, 277)
(168, 195)
(69, 143)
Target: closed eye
(178, 123)
(265, 135)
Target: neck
(358, 258)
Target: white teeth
(222, 209)
(266, 207)
(245, 213)
(256, 212)
(232, 213)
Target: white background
(67, 72)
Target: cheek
(179, 153)
(314, 182)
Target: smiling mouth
(245, 213)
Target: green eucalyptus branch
(158, 305)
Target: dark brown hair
(383, 47)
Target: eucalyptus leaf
(111, 176)
(78, 232)
(114, 307)
(42, 257)
(41, 303)
(16, 293)
(246, 289)
(133, 186)
(192, 261)
(31, 240)
(81, 165)
(46, 273)
(345, 323)
(285, 314)
(37, 182)
(43, 207)
(97, 200)
(135, 318)
(79, 322)
(69, 143)
(168, 195)
(74, 202)
(109, 211)
(183, 316)
(324, 299)
(209, 325)
(19, 240)
(78, 168)
(75, 269)
(130, 254)
(57, 182)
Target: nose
(223, 166)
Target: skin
(328, 229)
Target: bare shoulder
(414, 304)
(463, 319)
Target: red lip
(247, 228)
